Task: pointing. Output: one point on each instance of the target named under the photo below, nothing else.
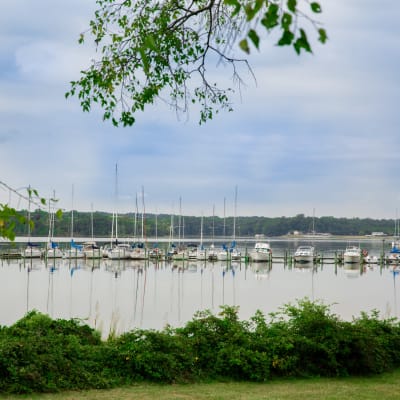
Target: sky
(316, 134)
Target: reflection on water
(117, 296)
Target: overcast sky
(319, 131)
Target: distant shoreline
(251, 239)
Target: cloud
(316, 131)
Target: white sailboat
(180, 253)
(75, 250)
(138, 251)
(90, 248)
(201, 253)
(31, 250)
(222, 254)
(235, 252)
(52, 250)
(119, 250)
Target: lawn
(383, 387)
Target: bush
(38, 354)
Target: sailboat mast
(91, 220)
(180, 220)
(234, 214)
(136, 217)
(313, 221)
(72, 213)
(116, 199)
(143, 213)
(29, 213)
(201, 231)
(224, 217)
(213, 223)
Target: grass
(383, 387)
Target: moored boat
(92, 251)
(352, 255)
(32, 250)
(261, 252)
(305, 254)
(75, 251)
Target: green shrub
(153, 356)
(39, 354)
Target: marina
(115, 295)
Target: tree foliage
(151, 49)
(13, 221)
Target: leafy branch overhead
(152, 50)
(10, 217)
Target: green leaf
(322, 35)
(251, 12)
(254, 38)
(291, 4)
(316, 7)
(286, 21)
(59, 213)
(271, 17)
(145, 60)
(286, 38)
(302, 43)
(235, 3)
(244, 46)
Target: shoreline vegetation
(160, 225)
(220, 354)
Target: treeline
(39, 354)
(129, 225)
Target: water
(117, 296)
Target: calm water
(122, 295)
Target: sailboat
(138, 248)
(75, 250)
(118, 251)
(222, 254)
(235, 252)
(180, 254)
(52, 250)
(90, 249)
(156, 252)
(212, 252)
(394, 254)
(31, 250)
(201, 253)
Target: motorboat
(305, 254)
(261, 252)
(352, 255)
